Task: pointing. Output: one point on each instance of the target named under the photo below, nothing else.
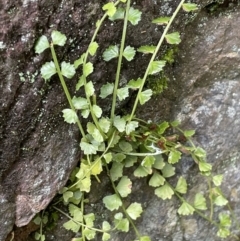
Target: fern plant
(116, 142)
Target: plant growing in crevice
(116, 142)
(40, 220)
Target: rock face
(39, 150)
(208, 67)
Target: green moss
(217, 6)
(212, 7)
(170, 54)
(157, 83)
(160, 82)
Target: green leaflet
(80, 82)
(130, 160)
(112, 202)
(85, 113)
(76, 199)
(118, 157)
(121, 223)
(131, 126)
(37, 220)
(161, 20)
(122, 93)
(79, 61)
(48, 70)
(142, 171)
(116, 170)
(42, 44)
(125, 146)
(156, 66)
(129, 53)
(106, 226)
(225, 219)
(89, 89)
(161, 128)
(111, 52)
(58, 38)
(189, 133)
(39, 236)
(80, 103)
(156, 180)
(44, 219)
(77, 239)
(118, 216)
(119, 14)
(106, 90)
(92, 129)
(84, 170)
(124, 186)
(84, 185)
(181, 186)
(96, 167)
(109, 8)
(87, 69)
(134, 16)
(145, 96)
(200, 202)
(164, 192)
(119, 123)
(88, 148)
(217, 180)
(97, 111)
(220, 201)
(134, 210)
(188, 7)
(108, 157)
(147, 49)
(67, 195)
(135, 84)
(145, 238)
(70, 116)
(186, 209)
(159, 162)
(200, 152)
(89, 219)
(71, 225)
(174, 156)
(115, 140)
(204, 167)
(168, 170)
(175, 123)
(106, 236)
(173, 38)
(90, 234)
(148, 161)
(104, 124)
(223, 232)
(75, 212)
(67, 70)
(93, 48)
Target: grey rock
(208, 68)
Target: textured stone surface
(39, 150)
(208, 68)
